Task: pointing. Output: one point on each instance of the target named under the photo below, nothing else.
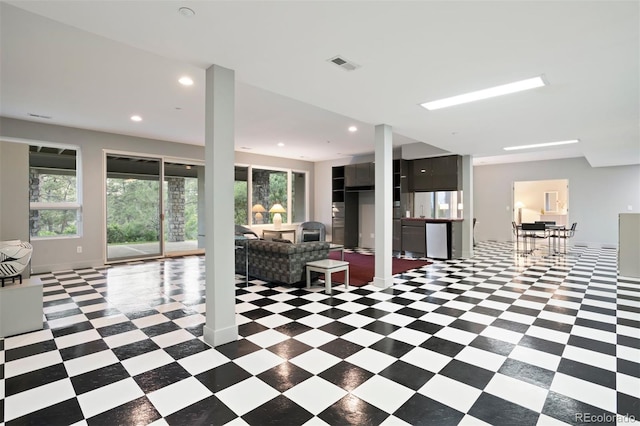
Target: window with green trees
(54, 207)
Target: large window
(269, 191)
(53, 192)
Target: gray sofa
(282, 262)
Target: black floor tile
(222, 376)
(138, 411)
(279, 410)
(420, 410)
(442, 346)
(64, 413)
(341, 348)
(33, 379)
(185, 349)
(83, 349)
(351, 410)
(346, 375)
(284, 376)
(160, 377)
(135, 349)
(494, 410)
(29, 350)
(588, 373)
(100, 377)
(407, 374)
(209, 411)
(392, 347)
(527, 373)
(570, 411)
(289, 348)
(467, 373)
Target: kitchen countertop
(427, 220)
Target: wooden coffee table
(328, 267)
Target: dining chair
(533, 232)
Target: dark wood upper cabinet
(358, 175)
(436, 174)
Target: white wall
(596, 197)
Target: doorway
(152, 207)
(541, 200)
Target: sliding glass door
(183, 206)
(133, 206)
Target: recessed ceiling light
(353, 129)
(136, 118)
(185, 81)
(280, 143)
(186, 12)
(539, 145)
(491, 92)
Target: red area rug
(362, 269)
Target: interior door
(133, 207)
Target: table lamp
(277, 219)
(519, 206)
(258, 209)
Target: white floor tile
(259, 361)
(548, 334)
(90, 362)
(410, 336)
(585, 356)
(584, 391)
(426, 359)
(178, 395)
(484, 359)
(173, 338)
(450, 392)
(35, 399)
(518, 392)
(146, 362)
(315, 338)
(247, 395)
(371, 360)
(77, 338)
(315, 394)
(315, 361)
(27, 339)
(273, 321)
(315, 320)
(190, 320)
(456, 335)
(31, 363)
(535, 357)
(502, 334)
(362, 337)
(125, 338)
(356, 320)
(108, 397)
(267, 338)
(383, 393)
(203, 361)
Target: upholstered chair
(14, 258)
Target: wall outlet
(79, 249)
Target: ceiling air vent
(344, 63)
(46, 117)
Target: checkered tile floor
(496, 339)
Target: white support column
(467, 208)
(219, 156)
(383, 206)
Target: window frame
(63, 205)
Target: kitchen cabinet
(436, 174)
(360, 175)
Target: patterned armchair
(14, 258)
(283, 262)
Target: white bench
(328, 267)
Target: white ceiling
(93, 64)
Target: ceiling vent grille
(343, 63)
